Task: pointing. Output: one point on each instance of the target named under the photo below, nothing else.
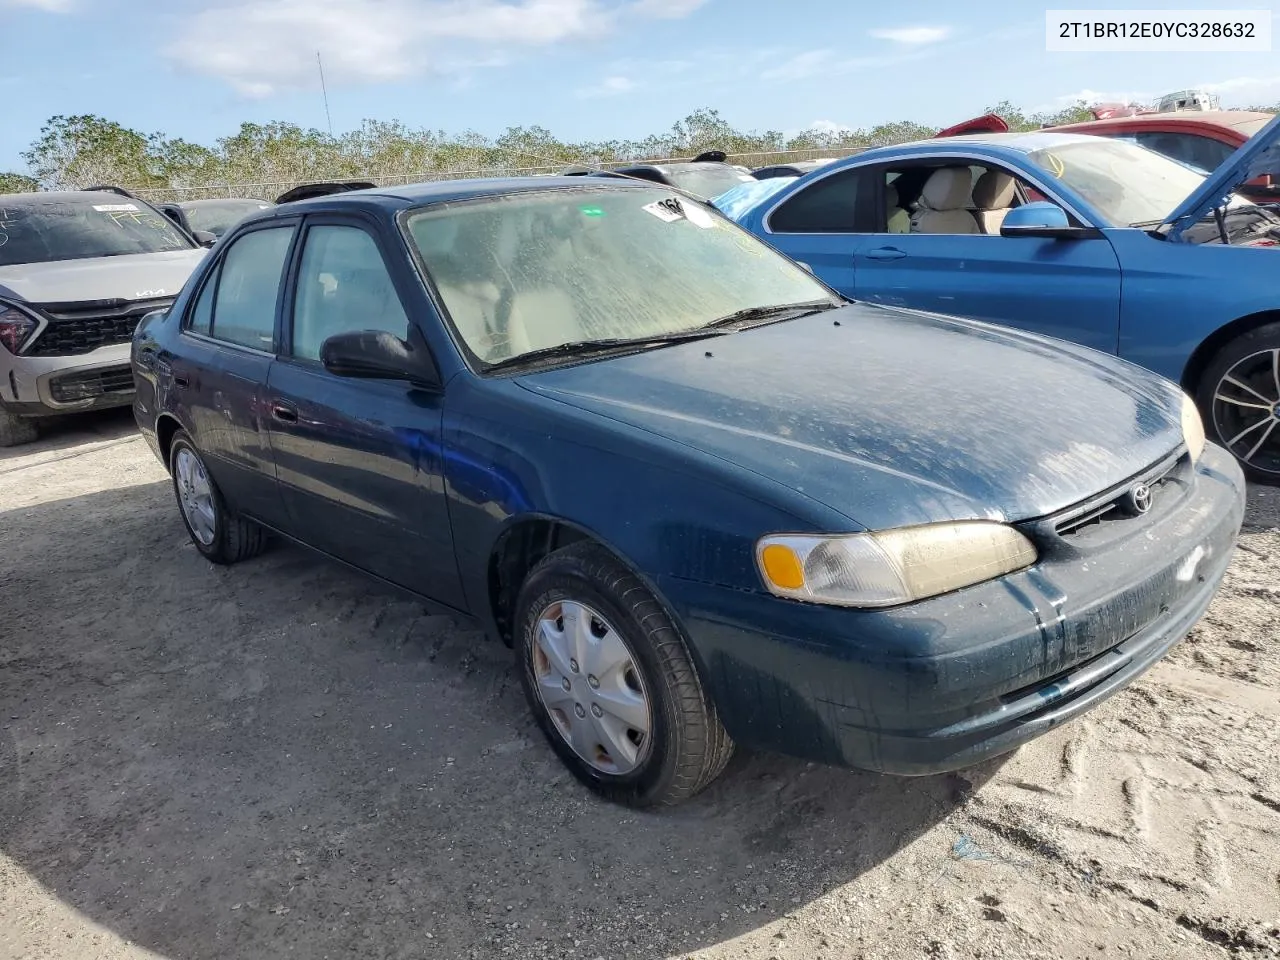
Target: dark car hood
(894, 417)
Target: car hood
(139, 276)
(1258, 155)
(894, 417)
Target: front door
(1062, 288)
(359, 460)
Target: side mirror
(376, 354)
(204, 238)
(1045, 220)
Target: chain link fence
(270, 189)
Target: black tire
(16, 430)
(1224, 421)
(688, 747)
(234, 538)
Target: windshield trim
(470, 358)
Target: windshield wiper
(580, 348)
(777, 311)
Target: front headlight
(890, 566)
(1192, 428)
(16, 327)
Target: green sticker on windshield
(591, 211)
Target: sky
(585, 69)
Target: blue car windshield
(1126, 183)
(529, 271)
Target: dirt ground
(281, 759)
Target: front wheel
(1239, 396)
(218, 533)
(611, 683)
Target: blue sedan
(704, 499)
(1088, 239)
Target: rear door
(229, 348)
(359, 460)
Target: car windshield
(82, 229)
(524, 272)
(219, 216)
(706, 181)
(1127, 183)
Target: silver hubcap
(1246, 410)
(195, 495)
(588, 683)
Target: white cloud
(802, 65)
(829, 127)
(666, 9)
(608, 87)
(266, 46)
(52, 6)
(913, 36)
(1246, 90)
(826, 63)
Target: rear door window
(829, 206)
(248, 288)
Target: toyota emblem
(1138, 500)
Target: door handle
(284, 412)
(885, 253)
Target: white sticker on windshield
(115, 207)
(667, 211)
(696, 215)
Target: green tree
(18, 183)
(83, 150)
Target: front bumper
(953, 680)
(44, 386)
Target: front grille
(89, 384)
(78, 328)
(1112, 505)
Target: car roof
(664, 167)
(1216, 118)
(210, 201)
(403, 197)
(61, 196)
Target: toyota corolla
(704, 498)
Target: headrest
(993, 191)
(948, 188)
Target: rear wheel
(1239, 396)
(218, 533)
(15, 430)
(611, 683)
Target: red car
(1199, 138)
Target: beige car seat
(992, 196)
(943, 201)
(899, 221)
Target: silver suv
(77, 272)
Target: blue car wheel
(1240, 397)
